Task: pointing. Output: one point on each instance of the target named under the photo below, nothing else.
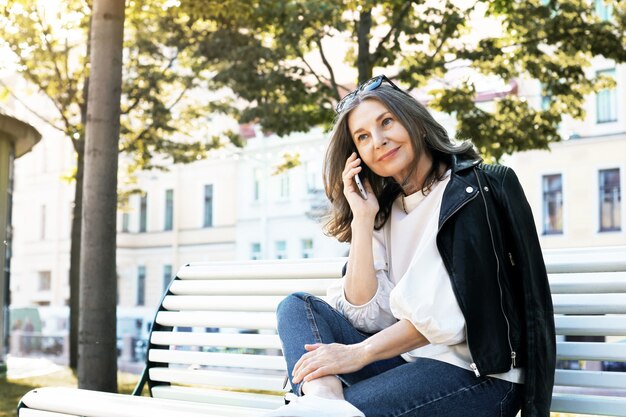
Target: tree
(97, 348)
(161, 68)
(265, 55)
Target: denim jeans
(392, 387)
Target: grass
(12, 390)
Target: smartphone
(359, 185)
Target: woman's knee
(292, 303)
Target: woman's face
(382, 141)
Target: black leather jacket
(489, 245)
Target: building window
(606, 101)
(604, 10)
(284, 186)
(45, 280)
(312, 177)
(167, 276)
(42, 223)
(169, 210)
(255, 251)
(552, 204)
(208, 205)
(143, 213)
(610, 200)
(125, 222)
(256, 186)
(141, 285)
(281, 249)
(307, 248)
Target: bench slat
(590, 325)
(28, 412)
(252, 287)
(222, 303)
(588, 283)
(219, 379)
(237, 320)
(591, 379)
(78, 402)
(266, 401)
(591, 351)
(589, 303)
(588, 404)
(260, 341)
(236, 360)
(583, 264)
(288, 269)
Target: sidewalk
(18, 368)
(28, 367)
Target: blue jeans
(392, 387)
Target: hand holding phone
(359, 185)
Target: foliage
(162, 73)
(265, 52)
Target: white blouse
(413, 284)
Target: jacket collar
(459, 164)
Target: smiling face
(383, 143)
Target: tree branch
(333, 81)
(394, 27)
(46, 33)
(30, 109)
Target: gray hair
(426, 135)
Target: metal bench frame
(239, 371)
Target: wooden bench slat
(236, 360)
(590, 325)
(237, 320)
(266, 401)
(29, 412)
(309, 268)
(591, 379)
(589, 303)
(260, 341)
(221, 303)
(253, 287)
(583, 264)
(587, 404)
(591, 351)
(588, 283)
(78, 402)
(219, 378)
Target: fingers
(308, 366)
(312, 347)
(352, 167)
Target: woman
(444, 308)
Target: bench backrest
(214, 337)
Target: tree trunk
(79, 147)
(97, 356)
(74, 277)
(364, 66)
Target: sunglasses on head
(369, 85)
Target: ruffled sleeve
(374, 315)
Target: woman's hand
(322, 360)
(361, 208)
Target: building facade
(16, 139)
(575, 189)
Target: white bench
(238, 370)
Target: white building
(278, 213)
(575, 189)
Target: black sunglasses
(369, 85)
